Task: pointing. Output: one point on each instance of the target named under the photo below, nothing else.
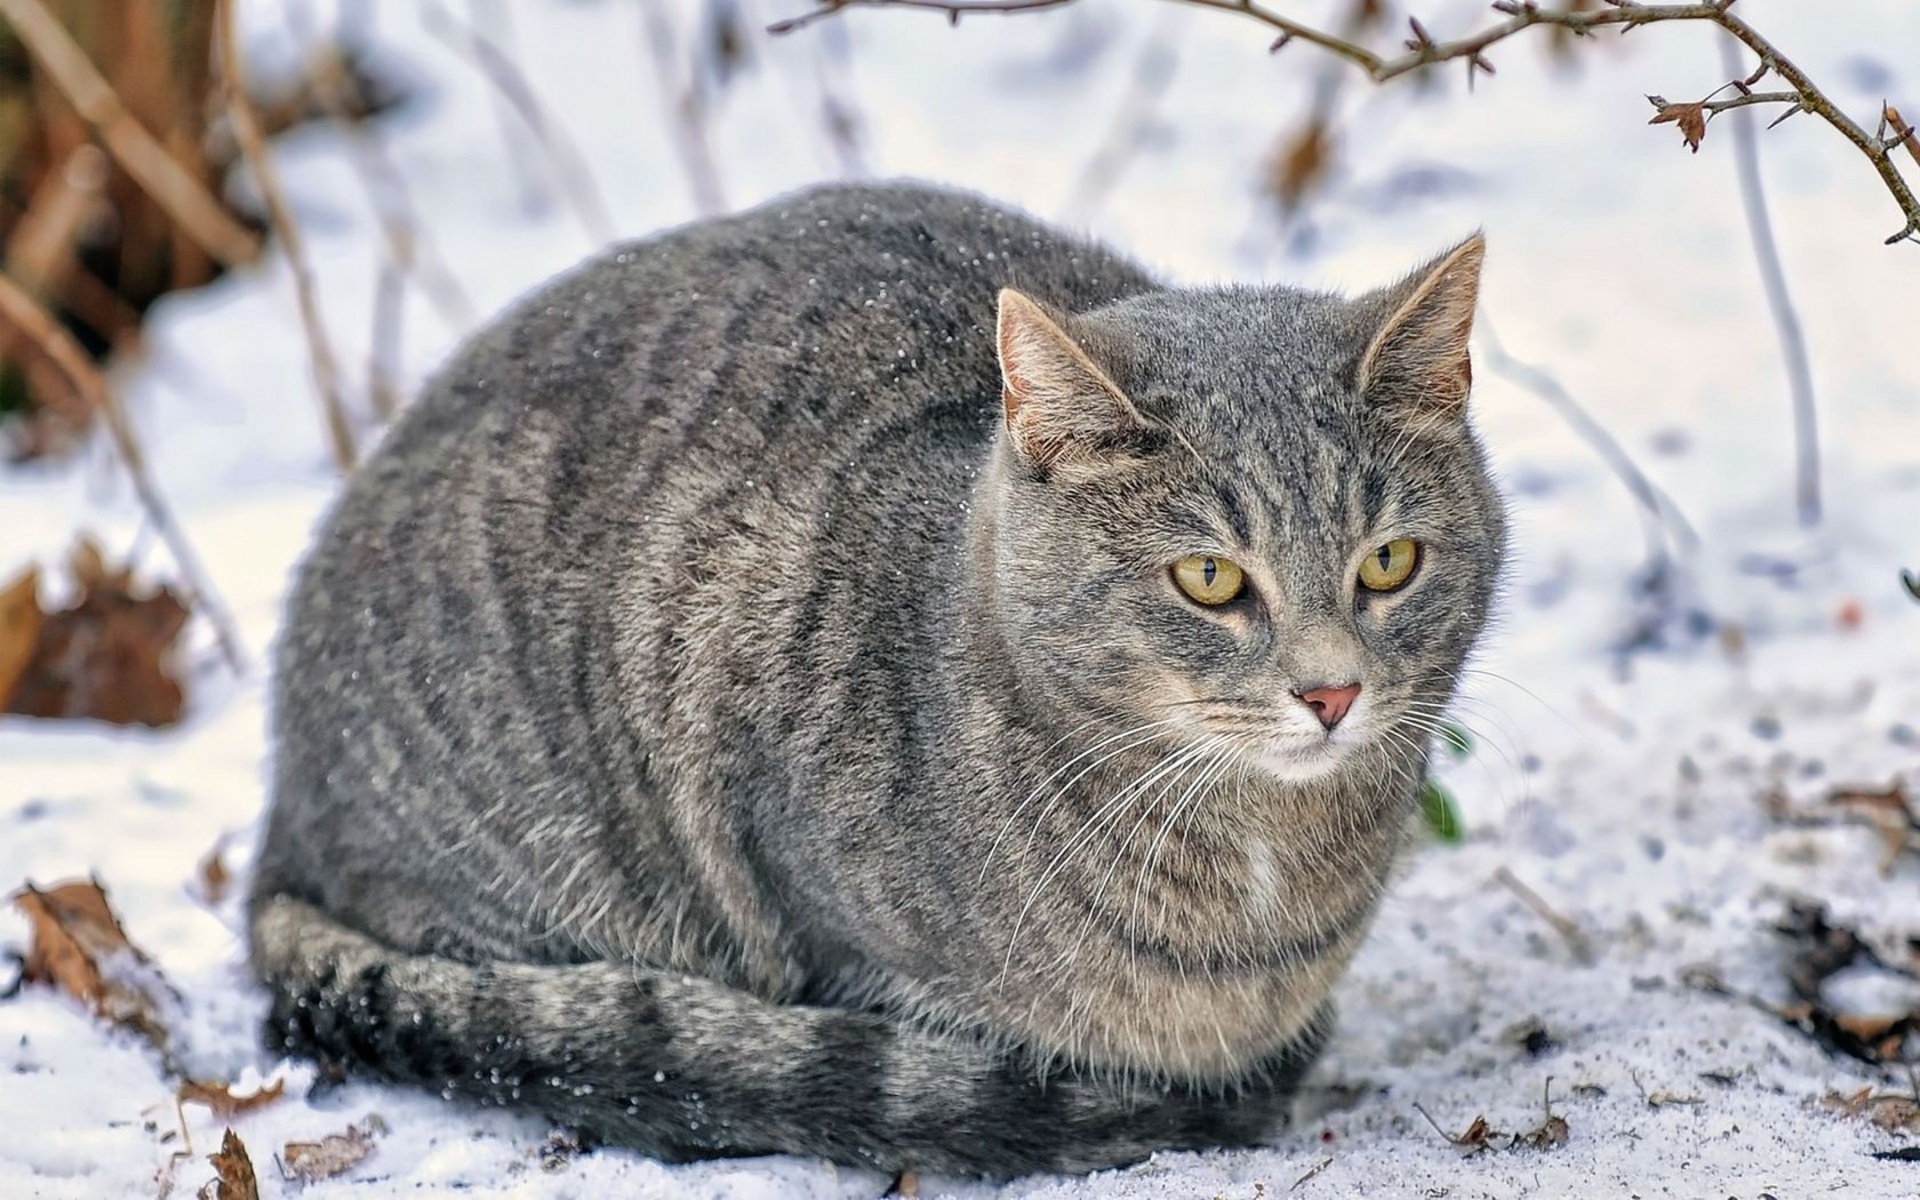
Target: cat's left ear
(1418, 358)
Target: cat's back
(841, 300)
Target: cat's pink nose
(1330, 703)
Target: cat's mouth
(1298, 759)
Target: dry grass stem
(568, 164)
(1422, 50)
(1131, 129)
(1773, 276)
(40, 248)
(1569, 932)
(29, 321)
(253, 146)
(1664, 520)
(687, 114)
(383, 362)
(407, 242)
(199, 214)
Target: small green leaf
(1440, 813)
(1457, 740)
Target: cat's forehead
(1236, 338)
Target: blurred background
(219, 287)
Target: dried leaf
(331, 1155)
(20, 621)
(1895, 1114)
(1551, 1134)
(219, 1097)
(213, 877)
(76, 944)
(1904, 134)
(109, 657)
(1663, 1099)
(1560, 39)
(236, 1179)
(1301, 167)
(1478, 1136)
(1691, 118)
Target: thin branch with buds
(1422, 50)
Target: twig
(38, 327)
(685, 113)
(1793, 344)
(953, 9)
(1569, 932)
(253, 146)
(198, 212)
(1131, 128)
(1320, 1166)
(1422, 51)
(569, 166)
(1660, 509)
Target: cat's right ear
(1060, 407)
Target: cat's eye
(1209, 579)
(1387, 568)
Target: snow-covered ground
(1626, 792)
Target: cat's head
(1252, 517)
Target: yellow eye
(1207, 579)
(1388, 567)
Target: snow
(1625, 791)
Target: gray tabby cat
(761, 698)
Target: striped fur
(698, 724)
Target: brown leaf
(1479, 1136)
(1301, 166)
(236, 1179)
(1691, 118)
(1552, 1133)
(1893, 1113)
(213, 876)
(1905, 135)
(108, 657)
(20, 621)
(76, 944)
(225, 1105)
(331, 1155)
(1560, 39)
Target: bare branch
(198, 212)
(253, 145)
(1422, 50)
(25, 317)
(953, 9)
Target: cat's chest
(1215, 958)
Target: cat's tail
(681, 1067)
